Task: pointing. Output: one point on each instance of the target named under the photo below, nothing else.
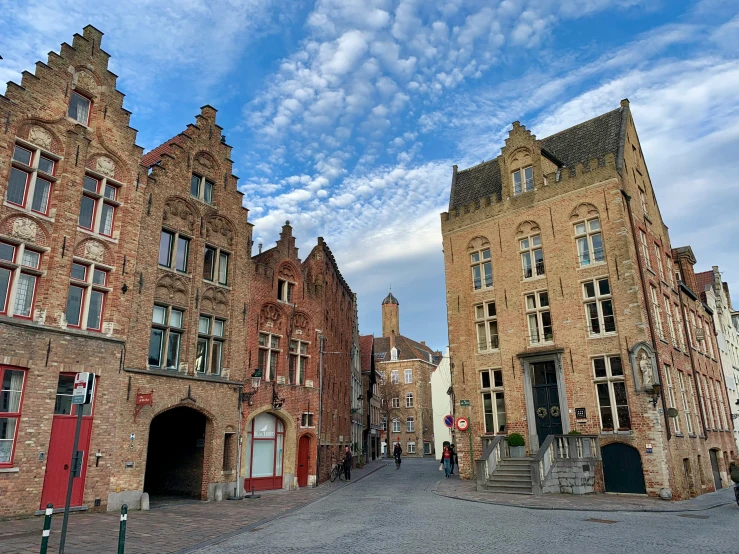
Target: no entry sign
(449, 421)
(462, 424)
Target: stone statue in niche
(106, 166)
(24, 229)
(40, 137)
(94, 251)
(647, 372)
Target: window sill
(680, 435)
(618, 432)
(535, 278)
(97, 235)
(175, 271)
(219, 285)
(178, 375)
(491, 351)
(603, 335)
(201, 201)
(10, 470)
(28, 211)
(594, 264)
(76, 122)
(650, 270)
(484, 289)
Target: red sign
(142, 399)
(462, 423)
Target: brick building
(564, 312)
(405, 368)
(373, 400)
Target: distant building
(373, 400)
(441, 401)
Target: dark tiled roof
(154, 157)
(704, 279)
(366, 343)
(409, 349)
(578, 144)
(390, 299)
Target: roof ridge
(581, 123)
(491, 160)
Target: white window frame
(268, 352)
(396, 425)
(686, 405)
(656, 311)
(645, 249)
(585, 231)
(720, 405)
(411, 449)
(202, 181)
(409, 400)
(175, 238)
(525, 182)
(696, 414)
(610, 380)
(670, 272)
(538, 312)
(600, 301)
(410, 424)
(671, 397)
(395, 402)
(491, 385)
(479, 261)
(299, 360)
(168, 329)
(670, 322)
(101, 200)
(705, 407)
(679, 328)
(394, 377)
(408, 376)
(643, 200)
(658, 255)
(16, 415)
(285, 291)
(17, 269)
(486, 326)
(211, 337)
(88, 287)
(306, 420)
(528, 248)
(33, 174)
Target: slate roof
(409, 349)
(390, 299)
(366, 343)
(579, 144)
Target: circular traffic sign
(462, 423)
(449, 421)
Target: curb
(252, 526)
(575, 509)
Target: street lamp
(256, 378)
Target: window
(686, 406)
(201, 188)
(670, 322)
(11, 395)
(523, 180)
(611, 393)
(410, 425)
(644, 249)
(408, 376)
(411, 448)
(482, 269)
(228, 447)
(671, 397)
(383, 424)
(486, 322)
(166, 337)
(215, 265)
(394, 354)
(98, 205)
(394, 378)
(720, 405)
(409, 400)
(211, 336)
(79, 108)
(599, 307)
(670, 272)
(174, 250)
(31, 178)
(63, 404)
(691, 330)
(679, 328)
(396, 425)
(705, 408)
(692, 403)
(307, 419)
(658, 257)
(285, 291)
(493, 400)
(643, 200)
(589, 242)
(86, 297)
(395, 402)
(298, 362)
(19, 274)
(269, 352)
(656, 312)
(539, 318)
(532, 257)
(699, 332)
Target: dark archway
(176, 453)
(622, 469)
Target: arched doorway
(176, 453)
(265, 445)
(715, 468)
(622, 469)
(303, 460)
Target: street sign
(449, 421)
(84, 383)
(464, 402)
(462, 423)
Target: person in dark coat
(453, 459)
(446, 460)
(348, 464)
(734, 472)
(397, 451)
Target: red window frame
(13, 272)
(15, 415)
(33, 297)
(112, 220)
(4, 309)
(97, 196)
(82, 305)
(102, 310)
(89, 109)
(25, 188)
(41, 175)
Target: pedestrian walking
(397, 451)
(453, 459)
(446, 460)
(348, 464)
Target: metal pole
(122, 529)
(320, 409)
(47, 528)
(238, 446)
(472, 458)
(72, 468)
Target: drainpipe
(649, 310)
(695, 372)
(320, 408)
(239, 446)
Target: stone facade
(549, 300)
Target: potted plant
(517, 445)
(360, 460)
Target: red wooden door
(303, 459)
(60, 448)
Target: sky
(346, 116)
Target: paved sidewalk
(465, 490)
(170, 527)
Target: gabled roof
(366, 351)
(703, 279)
(579, 144)
(408, 348)
(155, 156)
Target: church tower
(390, 316)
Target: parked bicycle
(337, 472)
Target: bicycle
(397, 462)
(337, 471)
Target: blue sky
(347, 115)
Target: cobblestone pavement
(170, 527)
(396, 511)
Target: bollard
(47, 528)
(122, 530)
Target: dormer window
(523, 180)
(79, 108)
(394, 357)
(285, 290)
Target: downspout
(320, 409)
(649, 310)
(695, 372)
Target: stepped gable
(155, 156)
(577, 145)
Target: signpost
(82, 394)
(462, 423)
(449, 421)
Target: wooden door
(303, 460)
(622, 469)
(715, 470)
(546, 400)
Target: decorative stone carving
(219, 227)
(644, 366)
(583, 210)
(527, 227)
(106, 166)
(271, 314)
(40, 137)
(477, 243)
(300, 322)
(204, 161)
(286, 272)
(86, 81)
(94, 251)
(214, 301)
(177, 209)
(24, 229)
(319, 256)
(172, 289)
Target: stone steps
(512, 476)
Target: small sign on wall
(465, 403)
(649, 447)
(580, 413)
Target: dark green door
(622, 470)
(715, 470)
(546, 400)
